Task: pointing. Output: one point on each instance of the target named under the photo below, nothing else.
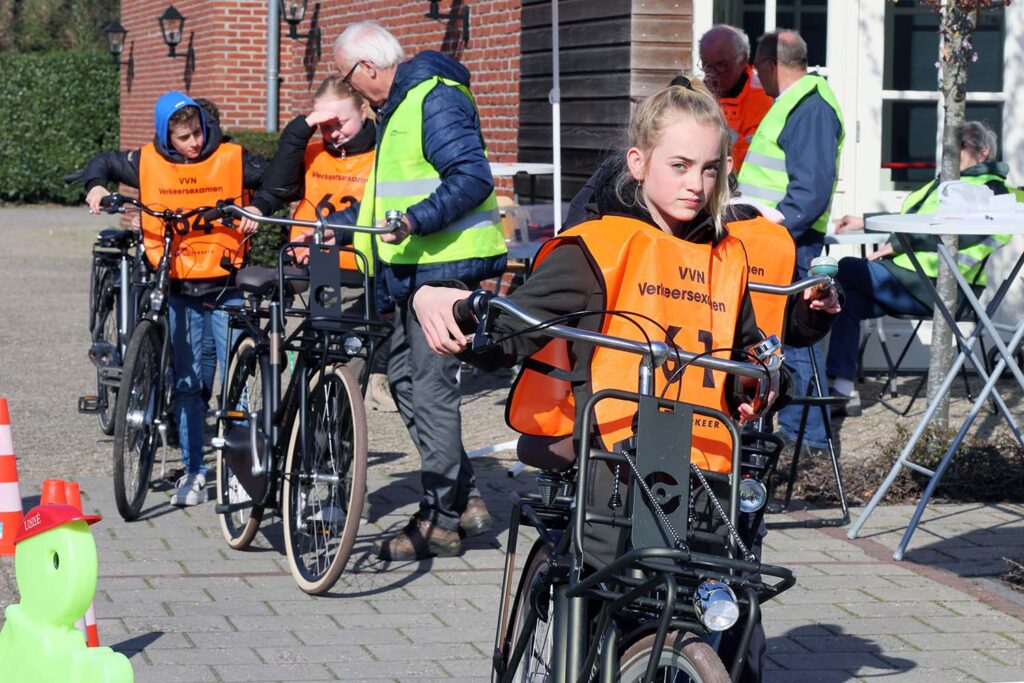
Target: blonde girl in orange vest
(327, 175)
(670, 185)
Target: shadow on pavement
(133, 646)
(844, 654)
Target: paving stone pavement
(184, 607)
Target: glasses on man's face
(721, 65)
(348, 77)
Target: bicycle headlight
(352, 344)
(753, 495)
(716, 605)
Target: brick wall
(229, 39)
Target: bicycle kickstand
(162, 428)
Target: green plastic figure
(56, 567)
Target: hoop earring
(636, 193)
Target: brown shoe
(476, 519)
(419, 539)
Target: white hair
(368, 41)
(738, 37)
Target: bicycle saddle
(546, 453)
(115, 238)
(261, 281)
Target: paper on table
(961, 201)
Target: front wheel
(135, 414)
(104, 330)
(243, 391)
(325, 480)
(685, 658)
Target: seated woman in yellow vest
(326, 175)
(885, 283)
(659, 249)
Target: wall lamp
(115, 34)
(435, 14)
(172, 28)
(294, 12)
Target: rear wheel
(243, 391)
(536, 664)
(325, 480)
(685, 658)
(104, 330)
(137, 409)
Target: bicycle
(304, 452)
(647, 613)
(142, 408)
(118, 273)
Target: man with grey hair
(792, 166)
(431, 164)
(725, 61)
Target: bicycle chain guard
(663, 444)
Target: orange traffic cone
(54, 492)
(10, 495)
(87, 624)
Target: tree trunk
(957, 26)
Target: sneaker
(190, 491)
(378, 394)
(475, 519)
(419, 540)
(849, 408)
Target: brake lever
(479, 301)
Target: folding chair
(771, 254)
(889, 389)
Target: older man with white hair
(432, 165)
(725, 61)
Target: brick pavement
(184, 607)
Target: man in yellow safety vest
(432, 165)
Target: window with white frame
(911, 104)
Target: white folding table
(902, 225)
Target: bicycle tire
(537, 654)
(104, 329)
(683, 653)
(336, 452)
(246, 370)
(135, 434)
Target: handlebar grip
(478, 301)
(110, 203)
(214, 214)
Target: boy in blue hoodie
(188, 165)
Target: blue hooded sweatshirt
(166, 105)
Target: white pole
(555, 98)
(273, 45)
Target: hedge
(57, 109)
(268, 240)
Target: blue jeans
(799, 363)
(188, 315)
(871, 292)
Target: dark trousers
(427, 392)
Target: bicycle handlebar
(482, 302)
(787, 290)
(178, 220)
(225, 209)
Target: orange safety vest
(163, 184)
(692, 290)
(332, 183)
(743, 113)
(772, 256)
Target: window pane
(910, 63)
(753, 24)
(913, 40)
(986, 74)
(909, 132)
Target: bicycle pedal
(89, 404)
